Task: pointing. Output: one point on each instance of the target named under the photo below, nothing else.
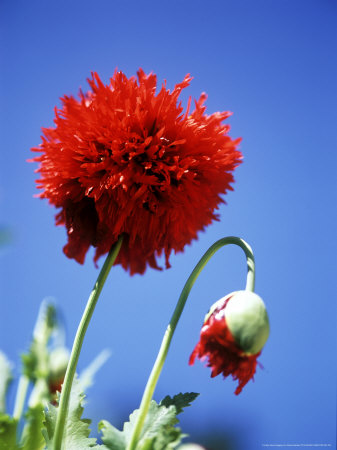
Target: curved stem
(77, 345)
(158, 365)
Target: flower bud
(247, 320)
(58, 361)
(233, 335)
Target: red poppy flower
(233, 335)
(122, 159)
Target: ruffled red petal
(123, 160)
(217, 346)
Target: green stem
(77, 345)
(20, 397)
(158, 365)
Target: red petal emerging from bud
(218, 346)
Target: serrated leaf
(156, 418)
(32, 438)
(49, 424)
(168, 439)
(8, 427)
(180, 401)
(5, 379)
(76, 434)
(113, 438)
(158, 432)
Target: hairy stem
(77, 345)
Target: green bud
(247, 320)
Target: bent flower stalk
(253, 333)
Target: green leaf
(32, 438)
(113, 438)
(180, 401)
(168, 439)
(5, 379)
(8, 427)
(157, 420)
(159, 431)
(76, 434)
(49, 424)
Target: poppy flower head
(123, 159)
(232, 337)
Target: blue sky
(274, 65)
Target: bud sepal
(233, 335)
